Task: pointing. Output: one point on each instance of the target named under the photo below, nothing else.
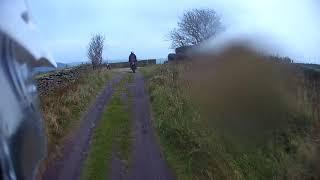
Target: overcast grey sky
(286, 27)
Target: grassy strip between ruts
(113, 133)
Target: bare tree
(95, 50)
(196, 26)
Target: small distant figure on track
(133, 62)
(108, 66)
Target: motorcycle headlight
(22, 136)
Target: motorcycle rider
(133, 61)
(22, 135)
(132, 57)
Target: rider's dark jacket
(132, 58)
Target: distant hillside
(311, 66)
(72, 64)
(61, 65)
(39, 70)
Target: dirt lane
(69, 166)
(148, 163)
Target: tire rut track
(75, 149)
(148, 162)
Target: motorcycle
(133, 67)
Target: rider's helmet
(22, 137)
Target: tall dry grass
(237, 115)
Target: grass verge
(236, 126)
(112, 133)
(62, 109)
